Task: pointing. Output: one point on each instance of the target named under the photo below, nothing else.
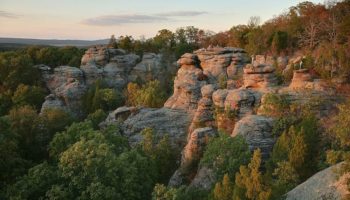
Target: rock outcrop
(191, 154)
(67, 87)
(187, 84)
(204, 116)
(325, 184)
(111, 65)
(259, 76)
(222, 63)
(114, 67)
(302, 80)
(163, 121)
(256, 130)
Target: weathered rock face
(204, 179)
(117, 116)
(52, 102)
(202, 67)
(187, 85)
(67, 87)
(111, 65)
(61, 76)
(232, 105)
(222, 63)
(204, 116)
(191, 154)
(149, 67)
(100, 55)
(302, 80)
(256, 130)
(324, 185)
(195, 146)
(116, 68)
(163, 121)
(240, 101)
(259, 76)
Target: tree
(279, 42)
(11, 162)
(112, 42)
(149, 95)
(34, 184)
(28, 95)
(215, 156)
(249, 178)
(126, 43)
(24, 125)
(16, 68)
(223, 190)
(161, 153)
(165, 39)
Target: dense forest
(55, 155)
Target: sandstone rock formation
(100, 55)
(187, 85)
(323, 185)
(175, 123)
(204, 116)
(208, 98)
(256, 130)
(191, 154)
(204, 66)
(67, 87)
(111, 65)
(114, 67)
(222, 62)
(118, 116)
(302, 80)
(259, 76)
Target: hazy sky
(96, 19)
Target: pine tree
(297, 155)
(250, 179)
(223, 190)
(113, 42)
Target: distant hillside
(51, 42)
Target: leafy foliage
(149, 95)
(215, 155)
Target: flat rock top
(163, 121)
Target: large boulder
(163, 121)
(256, 130)
(240, 101)
(325, 184)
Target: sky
(98, 19)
